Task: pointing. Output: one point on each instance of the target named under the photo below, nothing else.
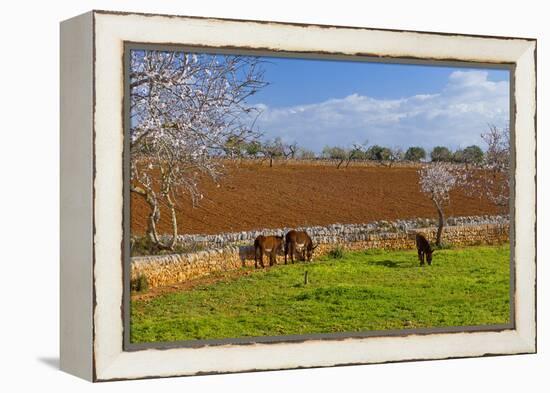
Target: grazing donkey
(424, 249)
(269, 245)
(299, 241)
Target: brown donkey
(424, 249)
(299, 241)
(269, 245)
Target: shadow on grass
(390, 264)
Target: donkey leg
(421, 257)
(286, 251)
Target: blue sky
(320, 102)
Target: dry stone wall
(463, 231)
(332, 233)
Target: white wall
(29, 193)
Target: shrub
(139, 284)
(442, 246)
(336, 253)
(143, 246)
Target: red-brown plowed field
(254, 196)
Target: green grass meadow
(362, 291)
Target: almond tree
(490, 178)
(496, 162)
(184, 108)
(437, 180)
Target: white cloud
(453, 117)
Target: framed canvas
(246, 195)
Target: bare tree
(184, 109)
(290, 150)
(490, 176)
(437, 180)
(273, 149)
(496, 162)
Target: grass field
(362, 291)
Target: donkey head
(309, 251)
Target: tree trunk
(339, 164)
(441, 223)
(154, 217)
(172, 244)
(270, 161)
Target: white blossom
(437, 180)
(492, 178)
(183, 109)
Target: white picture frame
(92, 197)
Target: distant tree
(341, 154)
(273, 149)
(234, 146)
(305, 154)
(458, 156)
(290, 150)
(497, 161)
(441, 154)
(360, 155)
(396, 154)
(357, 151)
(415, 153)
(378, 153)
(473, 155)
(253, 148)
(335, 152)
(384, 155)
(437, 180)
(494, 181)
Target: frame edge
(76, 197)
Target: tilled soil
(254, 196)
